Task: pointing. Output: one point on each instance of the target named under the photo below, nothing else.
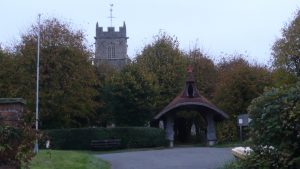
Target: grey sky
(218, 27)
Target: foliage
(67, 77)
(275, 129)
(16, 145)
(231, 165)
(281, 77)
(205, 72)
(251, 162)
(10, 74)
(238, 83)
(286, 50)
(131, 137)
(67, 159)
(104, 111)
(167, 63)
(226, 131)
(133, 94)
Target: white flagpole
(36, 146)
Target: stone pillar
(211, 132)
(170, 130)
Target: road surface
(176, 158)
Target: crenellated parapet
(111, 32)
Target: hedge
(131, 137)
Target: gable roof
(190, 96)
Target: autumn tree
(205, 72)
(67, 77)
(166, 61)
(286, 50)
(238, 83)
(9, 74)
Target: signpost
(243, 120)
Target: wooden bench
(105, 144)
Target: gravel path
(176, 158)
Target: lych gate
(190, 99)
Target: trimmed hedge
(131, 137)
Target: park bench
(105, 144)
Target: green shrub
(131, 137)
(226, 131)
(275, 122)
(234, 164)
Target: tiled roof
(190, 96)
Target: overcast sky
(218, 27)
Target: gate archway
(190, 99)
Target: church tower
(111, 46)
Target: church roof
(190, 97)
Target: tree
(164, 59)
(281, 77)
(67, 77)
(286, 50)
(133, 94)
(238, 83)
(9, 74)
(205, 72)
(104, 112)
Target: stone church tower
(111, 47)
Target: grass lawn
(67, 160)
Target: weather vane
(111, 16)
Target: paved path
(176, 158)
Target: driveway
(176, 158)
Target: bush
(226, 131)
(231, 165)
(131, 137)
(275, 129)
(16, 145)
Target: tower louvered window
(111, 52)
